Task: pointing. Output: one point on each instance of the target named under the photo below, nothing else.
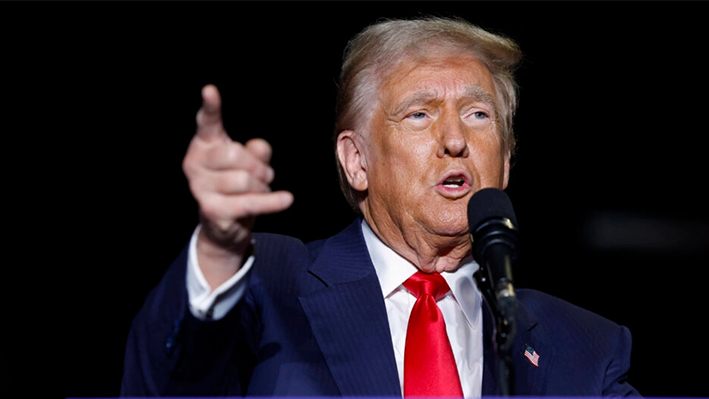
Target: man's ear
(352, 159)
(506, 177)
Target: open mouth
(453, 182)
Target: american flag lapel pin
(531, 355)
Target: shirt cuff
(215, 304)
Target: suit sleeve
(169, 352)
(616, 378)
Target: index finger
(209, 116)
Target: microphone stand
(505, 331)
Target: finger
(220, 209)
(209, 116)
(260, 148)
(227, 182)
(228, 155)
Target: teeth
(453, 182)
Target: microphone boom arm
(505, 331)
(492, 251)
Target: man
(424, 121)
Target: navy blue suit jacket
(313, 323)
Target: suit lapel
(348, 318)
(530, 380)
(349, 321)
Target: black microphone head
(489, 203)
(492, 221)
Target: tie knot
(427, 284)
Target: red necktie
(429, 365)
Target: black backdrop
(100, 99)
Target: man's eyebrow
(477, 94)
(420, 97)
(474, 93)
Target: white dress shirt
(205, 303)
(463, 317)
(461, 307)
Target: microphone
(494, 235)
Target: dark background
(100, 100)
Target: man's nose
(453, 142)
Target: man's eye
(418, 115)
(480, 115)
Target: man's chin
(440, 267)
(451, 227)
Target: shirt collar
(392, 270)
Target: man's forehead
(416, 83)
(434, 73)
(467, 92)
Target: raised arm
(230, 182)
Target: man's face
(433, 142)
